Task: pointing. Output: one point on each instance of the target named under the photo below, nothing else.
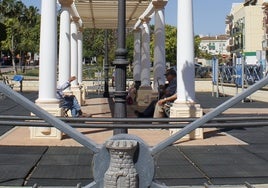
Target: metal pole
(120, 63)
(106, 67)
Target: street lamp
(120, 63)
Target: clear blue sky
(209, 15)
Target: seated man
(170, 90)
(69, 101)
(159, 111)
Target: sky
(209, 15)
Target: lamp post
(106, 67)
(120, 63)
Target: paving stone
(253, 148)
(14, 171)
(177, 171)
(22, 149)
(62, 172)
(66, 160)
(174, 157)
(226, 158)
(19, 159)
(235, 171)
(11, 182)
(211, 149)
(58, 182)
(4, 129)
(252, 135)
(236, 181)
(182, 182)
(68, 151)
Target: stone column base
(146, 95)
(187, 110)
(47, 132)
(77, 93)
(83, 95)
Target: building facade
(215, 45)
(244, 25)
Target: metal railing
(134, 123)
(229, 74)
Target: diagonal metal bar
(41, 113)
(209, 116)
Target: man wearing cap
(170, 90)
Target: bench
(15, 82)
(167, 107)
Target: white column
(145, 94)
(137, 56)
(80, 56)
(74, 51)
(145, 58)
(159, 46)
(64, 43)
(185, 52)
(48, 52)
(47, 70)
(185, 105)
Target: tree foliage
(94, 43)
(170, 43)
(22, 27)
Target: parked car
(200, 71)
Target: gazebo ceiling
(103, 13)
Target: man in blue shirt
(171, 76)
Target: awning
(104, 14)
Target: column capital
(136, 30)
(81, 29)
(75, 19)
(145, 20)
(159, 4)
(66, 3)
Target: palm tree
(7, 8)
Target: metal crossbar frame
(209, 116)
(95, 148)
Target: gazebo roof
(103, 14)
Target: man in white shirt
(69, 101)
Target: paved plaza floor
(232, 156)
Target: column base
(187, 110)
(77, 93)
(47, 132)
(146, 95)
(83, 95)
